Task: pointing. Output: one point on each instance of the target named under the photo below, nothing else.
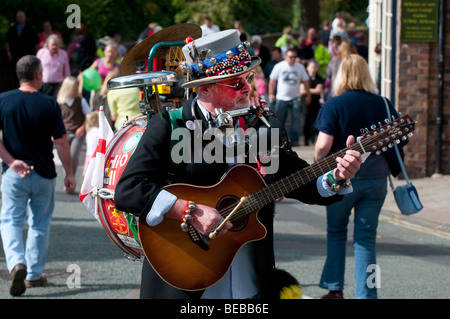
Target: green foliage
(130, 17)
(259, 16)
(355, 11)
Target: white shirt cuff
(325, 190)
(161, 205)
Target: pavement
(433, 192)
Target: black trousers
(153, 287)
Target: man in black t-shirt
(31, 124)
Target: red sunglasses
(239, 85)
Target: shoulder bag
(406, 196)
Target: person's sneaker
(17, 285)
(334, 294)
(41, 281)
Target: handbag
(406, 196)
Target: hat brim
(214, 79)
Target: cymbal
(142, 79)
(140, 51)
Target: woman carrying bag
(356, 106)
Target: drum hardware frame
(152, 101)
(157, 90)
(134, 258)
(134, 121)
(149, 102)
(150, 98)
(161, 45)
(104, 193)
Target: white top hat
(216, 57)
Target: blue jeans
(367, 199)
(281, 110)
(38, 194)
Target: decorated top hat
(215, 58)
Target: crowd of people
(327, 47)
(322, 50)
(49, 108)
(302, 79)
(64, 64)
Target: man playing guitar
(220, 69)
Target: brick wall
(417, 90)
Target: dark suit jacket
(147, 172)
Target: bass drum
(121, 226)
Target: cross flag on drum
(93, 179)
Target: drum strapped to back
(159, 89)
(120, 226)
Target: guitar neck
(377, 140)
(291, 182)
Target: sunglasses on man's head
(239, 85)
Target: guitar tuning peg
(397, 141)
(400, 114)
(410, 134)
(373, 126)
(393, 117)
(404, 138)
(387, 121)
(390, 145)
(378, 152)
(379, 123)
(384, 149)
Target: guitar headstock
(381, 138)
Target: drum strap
(174, 116)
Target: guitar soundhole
(225, 205)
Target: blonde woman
(73, 110)
(355, 106)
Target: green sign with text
(419, 20)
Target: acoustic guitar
(189, 261)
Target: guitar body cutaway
(182, 263)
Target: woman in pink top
(55, 65)
(108, 62)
